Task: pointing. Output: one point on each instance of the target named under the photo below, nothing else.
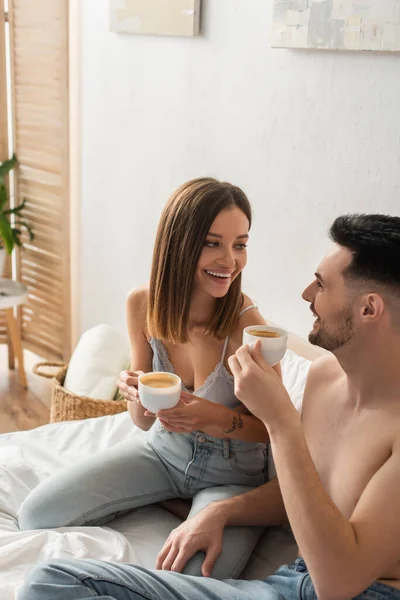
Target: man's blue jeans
(87, 579)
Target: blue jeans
(149, 469)
(83, 580)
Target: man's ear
(372, 307)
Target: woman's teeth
(221, 275)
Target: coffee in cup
(273, 341)
(264, 334)
(159, 390)
(159, 380)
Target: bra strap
(225, 349)
(248, 308)
(227, 338)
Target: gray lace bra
(219, 385)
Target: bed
(26, 458)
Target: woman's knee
(38, 512)
(193, 566)
(31, 517)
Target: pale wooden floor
(22, 408)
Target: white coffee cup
(273, 349)
(155, 395)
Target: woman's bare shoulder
(138, 297)
(252, 316)
(136, 306)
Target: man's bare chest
(347, 449)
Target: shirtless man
(338, 467)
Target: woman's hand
(191, 414)
(127, 383)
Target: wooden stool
(13, 293)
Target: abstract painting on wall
(155, 17)
(337, 24)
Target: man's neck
(372, 369)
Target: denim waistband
(208, 441)
(299, 565)
(376, 591)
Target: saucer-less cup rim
(272, 349)
(283, 334)
(161, 391)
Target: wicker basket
(66, 406)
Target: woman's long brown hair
(183, 228)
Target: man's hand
(259, 387)
(203, 532)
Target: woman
(188, 321)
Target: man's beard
(334, 333)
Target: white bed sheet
(26, 458)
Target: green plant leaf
(6, 233)
(3, 194)
(16, 209)
(7, 165)
(16, 235)
(28, 228)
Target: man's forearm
(261, 506)
(326, 538)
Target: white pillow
(101, 354)
(294, 376)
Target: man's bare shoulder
(324, 370)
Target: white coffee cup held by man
(273, 341)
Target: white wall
(308, 135)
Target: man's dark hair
(374, 241)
